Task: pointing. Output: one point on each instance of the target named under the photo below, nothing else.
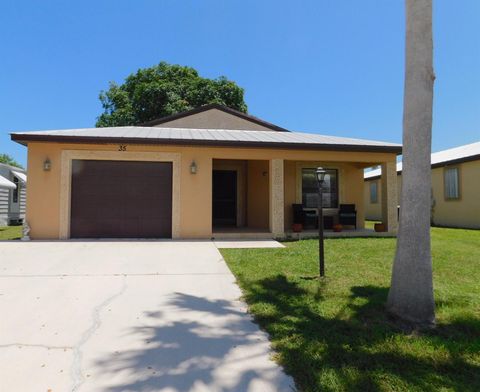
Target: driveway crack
(77, 376)
(46, 347)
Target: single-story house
(455, 188)
(209, 172)
(13, 182)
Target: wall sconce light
(193, 168)
(47, 165)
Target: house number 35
(122, 147)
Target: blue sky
(332, 67)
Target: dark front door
(121, 199)
(224, 195)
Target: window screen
(452, 190)
(310, 188)
(373, 192)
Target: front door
(224, 197)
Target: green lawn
(335, 336)
(10, 232)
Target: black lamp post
(320, 179)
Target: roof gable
(215, 116)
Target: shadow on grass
(360, 348)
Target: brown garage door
(121, 199)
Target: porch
(255, 199)
(346, 233)
(246, 234)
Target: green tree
(162, 90)
(8, 160)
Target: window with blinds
(373, 192)
(310, 188)
(451, 179)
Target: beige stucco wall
(214, 119)
(464, 212)
(257, 194)
(290, 189)
(373, 211)
(195, 191)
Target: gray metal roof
(441, 157)
(165, 135)
(5, 171)
(7, 184)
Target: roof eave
(436, 165)
(372, 178)
(26, 138)
(456, 161)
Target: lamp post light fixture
(321, 257)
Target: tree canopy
(163, 90)
(8, 160)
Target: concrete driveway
(127, 316)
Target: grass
(10, 232)
(336, 336)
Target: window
(16, 190)
(373, 192)
(452, 189)
(310, 188)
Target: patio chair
(306, 218)
(347, 215)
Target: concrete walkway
(226, 244)
(127, 316)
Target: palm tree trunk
(411, 293)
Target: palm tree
(410, 298)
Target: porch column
(389, 196)
(276, 198)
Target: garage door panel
(120, 199)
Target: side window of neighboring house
(16, 190)
(374, 192)
(452, 183)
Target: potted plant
(337, 228)
(297, 227)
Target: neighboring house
(13, 182)
(455, 188)
(210, 172)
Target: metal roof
(453, 155)
(4, 183)
(213, 137)
(21, 176)
(378, 172)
